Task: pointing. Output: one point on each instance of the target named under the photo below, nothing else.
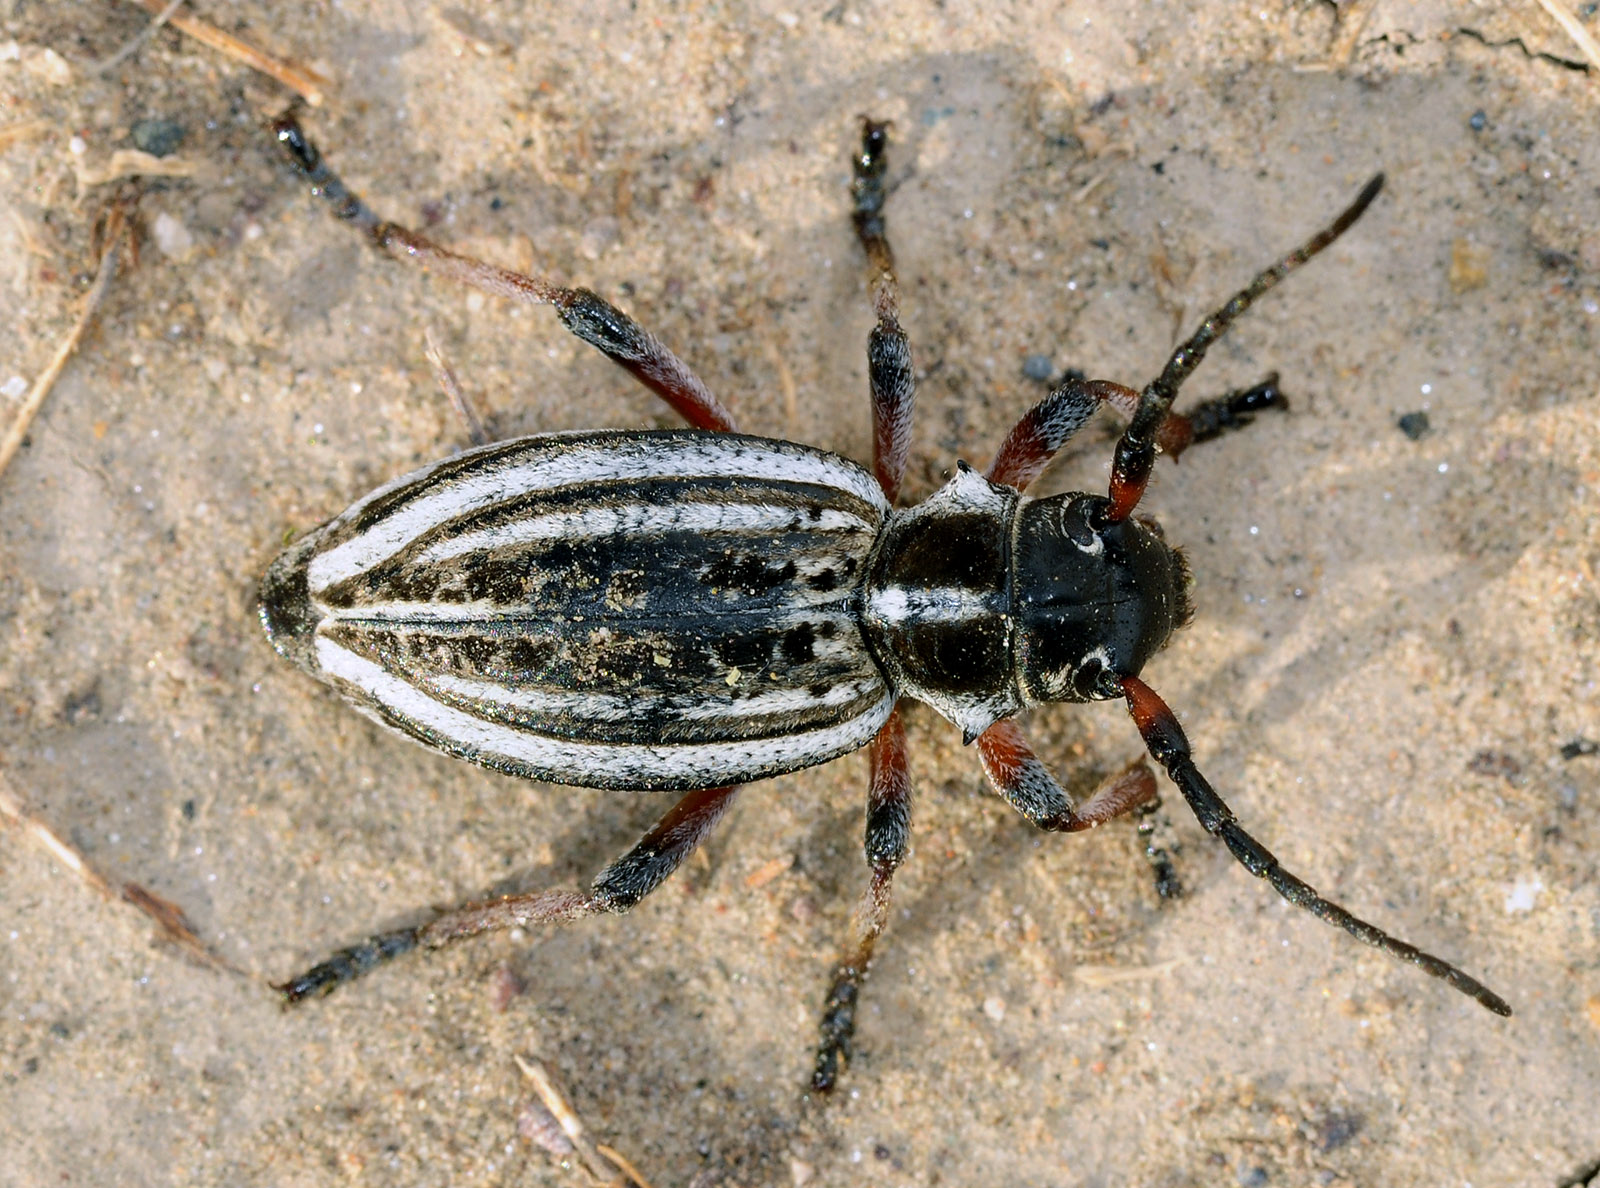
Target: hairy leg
(615, 889)
(586, 314)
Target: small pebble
(1414, 425)
(1524, 894)
(1578, 747)
(1038, 367)
(1478, 121)
(157, 137)
(172, 237)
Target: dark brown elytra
(1155, 604)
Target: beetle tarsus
(1236, 409)
(590, 317)
(838, 1030)
(886, 841)
(348, 964)
(1155, 832)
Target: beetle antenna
(1168, 746)
(1188, 356)
(1136, 451)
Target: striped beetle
(691, 610)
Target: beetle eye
(1076, 523)
(1089, 676)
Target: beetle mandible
(691, 610)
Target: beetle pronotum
(691, 610)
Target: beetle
(691, 610)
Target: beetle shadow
(1478, 545)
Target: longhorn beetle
(690, 610)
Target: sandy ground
(1396, 637)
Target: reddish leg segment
(888, 835)
(615, 889)
(589, 316)
(1167, 745)
(1024, 783)
(1051, 423)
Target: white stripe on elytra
(459, 614)
(896, 604)
(574, 762)
(556, 464)
(642, 519)
(609, 707)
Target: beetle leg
(1169, 747)
(615, 889)
(589, 316)
(890, 374)
(1136, 451)
(1024, 783)
(1050, 424)
(887, 837)
(1214, 417)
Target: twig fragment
(1100, 976)
(604, 1164)
(137, 41)
(167, 916)
(446, 378)
(307, 83)
(21, 130)
(1353, 18)
(126, 163)
(1563, 16)
(622, 1162)
(115, 234)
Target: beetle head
(1092, 601)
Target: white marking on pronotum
(644, 519)
(552, 464)
(609, 707)
(949, 604)
(570, 762)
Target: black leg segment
(889, 369)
